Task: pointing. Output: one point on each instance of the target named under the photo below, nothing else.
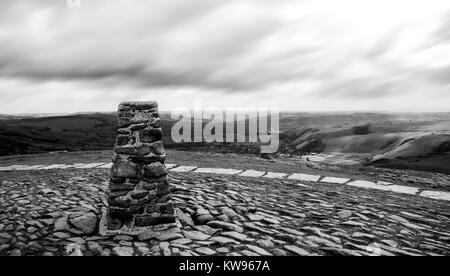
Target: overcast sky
(390, 55)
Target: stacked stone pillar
(139, 195)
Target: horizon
(56, 114)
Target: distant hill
(83, 132)
(75, 132)
(413, 140)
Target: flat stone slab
(13, 167)
(391, 188)
(403, 189)
(54, 166)
(368, 185)
(218, 171)
(183, 169)
(170, 166)
(252, 173)
(105, 166)
(21, 167)
(67, 166)
(384, 183)
(436, 195)
(33, 167)
(90, 165)
(305, 177)
(275, 175)
(335, 180)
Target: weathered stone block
(161, 192)
(141, 105)
(150, 220)
(114, 187)
(148, 186)
(123, 122)
(121, 201)
(141, 150)
(149, 158)
(134, 180)
(165, 208)
(135, 127)
(124, 131)
(158, 148)
(122, 214)
(138, 194)
(124, 169)
(125, 214)
(161, 185)
(118, 193)
(150, 135)
(122, 140)
(141, 118)
(117, 180)
(154, 122)
(114, 224)
(152, 194)
(154, 179)
(155, 170)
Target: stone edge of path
(311, 178)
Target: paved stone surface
(247, 217)
(377, 185)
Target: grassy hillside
(76, 132)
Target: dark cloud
(176, 45)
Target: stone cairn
(139, 195)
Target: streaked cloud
(298, 55)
